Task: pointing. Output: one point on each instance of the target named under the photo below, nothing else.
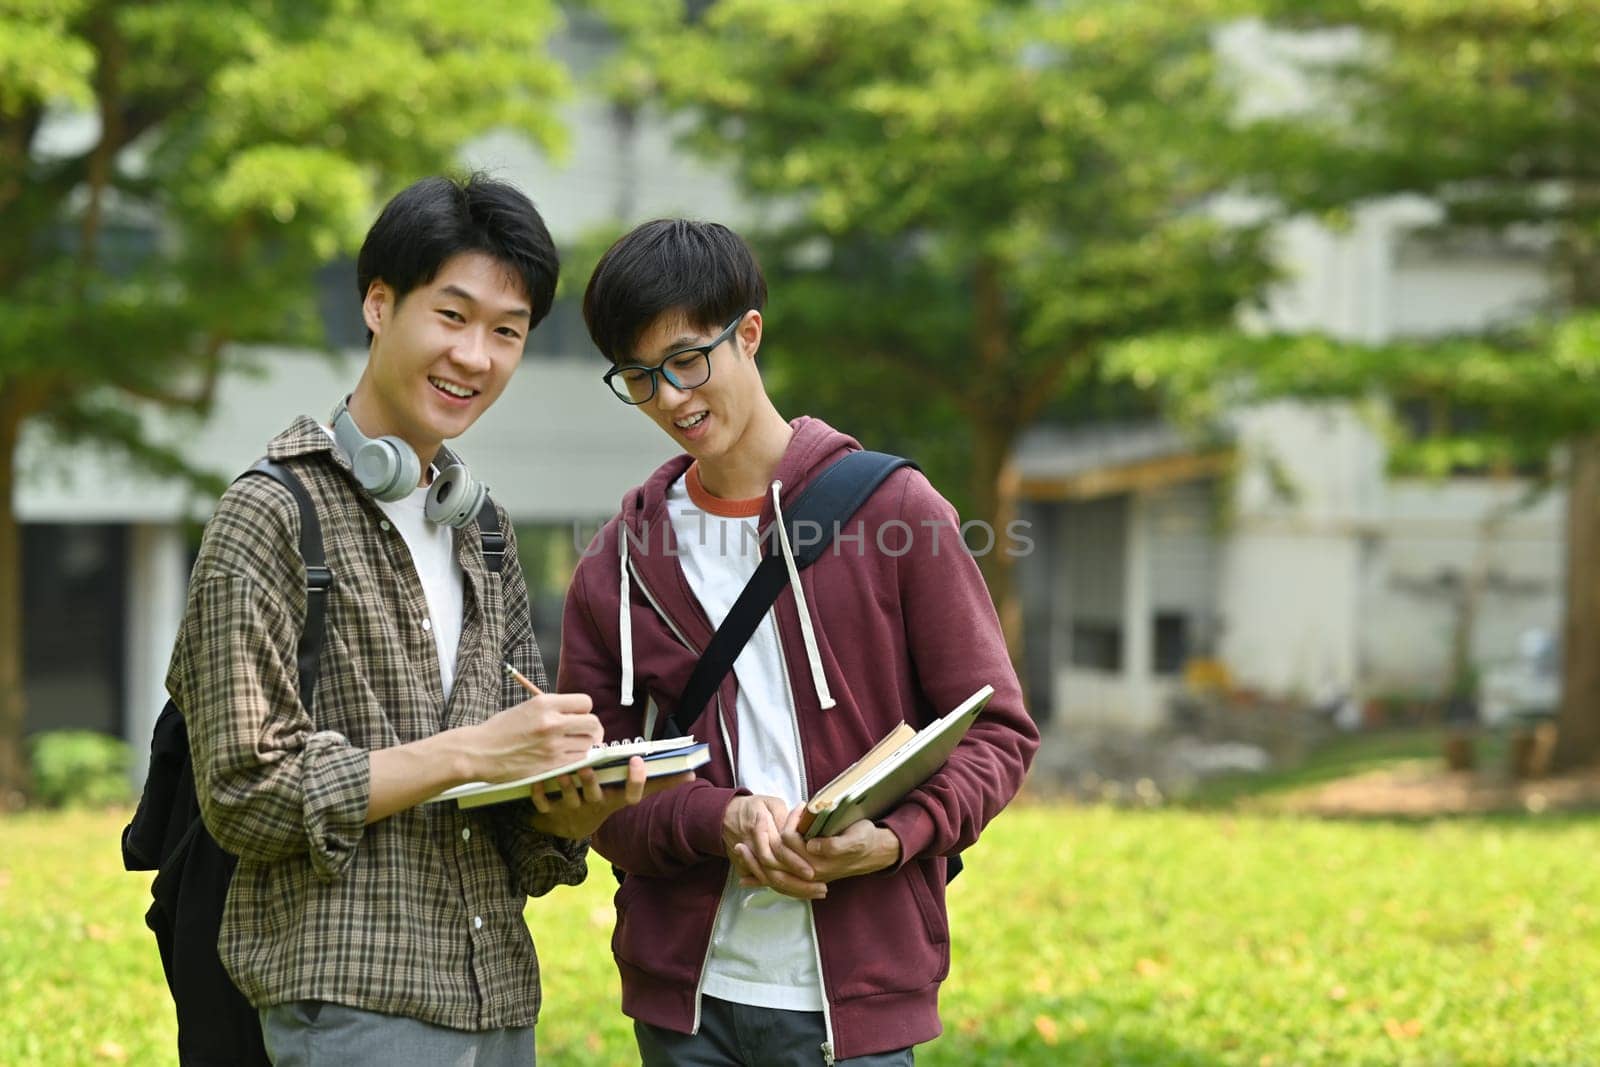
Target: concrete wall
(1445, 548)
(1337, 578)
(1308, 490)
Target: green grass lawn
(1082, 935)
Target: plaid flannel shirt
(419, 914)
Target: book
(827, 798)
(902, 760)
(662, 757)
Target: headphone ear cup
(388, 470)
(455, 497)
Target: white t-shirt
(433, 553)
(762, 950)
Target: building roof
(1081, 463)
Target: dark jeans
(740, 1035)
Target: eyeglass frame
(660, 368)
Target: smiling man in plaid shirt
(365, 926)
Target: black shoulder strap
(319, 579)
(812, 523)
(494, 542)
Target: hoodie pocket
(933, 916)
(662, 926)
(883, 934)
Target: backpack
(217, 1026)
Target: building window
(1097, 645)
(1171, 642)
(339, 305)
(562, 332)
(73, 647)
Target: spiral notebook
(663, 756)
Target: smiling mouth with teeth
(452, 388)
(692, 421)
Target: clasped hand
(765, 846)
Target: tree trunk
(996, 506)
(994, 434)
(1578, 724)
(13, 700)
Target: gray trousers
(314, 1033)
(741, 1035)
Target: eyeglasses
(687, 368)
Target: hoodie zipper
(805, 789)
(722, 724)
(805, 793)
(727, 744)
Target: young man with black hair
(738, 941)
(366, 927)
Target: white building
(1287, 553)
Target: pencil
(523, 681)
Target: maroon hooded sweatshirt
(903, 630)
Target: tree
(967, 202)
(1491, 109)
(226, 151)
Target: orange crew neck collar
(715, 505)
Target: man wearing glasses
(738, 941)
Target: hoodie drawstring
(625, 620)
(818, 679)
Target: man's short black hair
(434, 219)
(702, 270)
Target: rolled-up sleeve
(270, 784)
(539, 861)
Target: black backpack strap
(319, 579)
(494, 542)
(824, 505)
(832, 497)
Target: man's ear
(378, 305)
(749, 333)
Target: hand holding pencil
(546, 730)
(584, 803)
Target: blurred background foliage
(258, 137)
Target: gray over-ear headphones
(389, 469)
